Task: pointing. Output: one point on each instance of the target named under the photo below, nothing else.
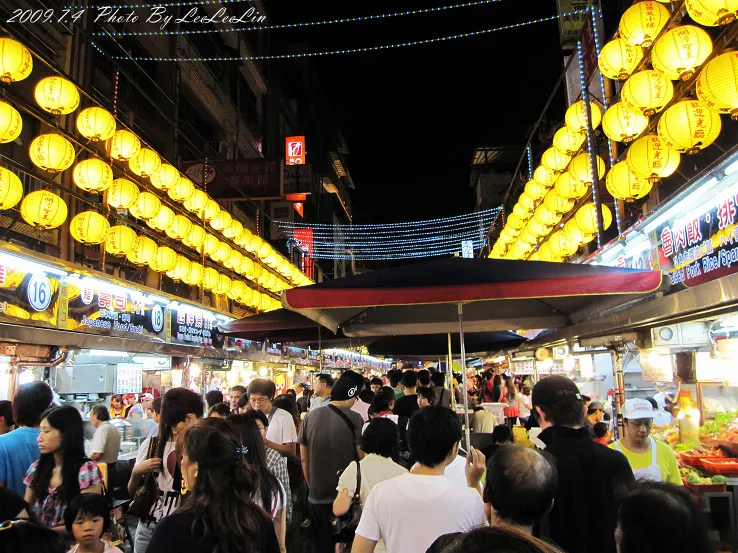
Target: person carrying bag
(147, 491)
(344, 526)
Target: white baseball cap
(637, 408)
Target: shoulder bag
(147, 491)
(344, 527)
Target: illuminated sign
(294, 150)
(195, 327)
(467, 249)
(300, 208)
(28, 297)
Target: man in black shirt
(408, 403)
(589, 474)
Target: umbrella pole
(320, 352)
(463, 373)
(450, 375)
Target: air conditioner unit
(686, 335)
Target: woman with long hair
(271, 490)
(63, 471)
(218, 514)
(511, 397)
(116, 407)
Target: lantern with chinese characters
(624, 184)
(180, 270)
(93, 175)
(717, 84)
(647, 92)
(162, 220)
(180, 228)
(120, 240)
(680, 51)
(618, 59)
(181, 190)
(89, 227)
(223, 286)
(96, 124)
(546, 216)
(237, 290)
(515, 222)
(56, 95)
(555, 161)
(245, 239)
(51, 152)
(164, 260)
(164, 177)
(210, 245)
(234, 260)
(146, 207)
(195, 274)
(586, 218)
(258, 271)
(233, 230)
(11, 123)
(648, 157)
(256, 244)
(16, 62)
(222, 253)
(222, 220)
(569, 187)
(544, 177)
(560, 245)
(143, 251)
(621, 124)
(568, 141)
(124, 145)
(11, 189)
(581, 170)
(210, 279)
(712, 13)
(576, 116)
(556, 204)
(122, 194)
(43, 209)
(145, 162)
(196, 202)
(196, 237)
(642, 23)
(689, 126)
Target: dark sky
(412, 116)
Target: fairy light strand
(377, 17)
(182, 3)
(343, 50)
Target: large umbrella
(436, 345)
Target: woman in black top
(218, 514)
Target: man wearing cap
(650, 459)
(584, 514)
(328, 443)
(595, 414)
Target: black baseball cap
(554, 389)
(344, 388)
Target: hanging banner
(294, 150)
(194, 327)
(570, 23)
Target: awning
(436, 345)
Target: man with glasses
(281, 434)
(650, 459)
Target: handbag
(344, 527)
(148, 490)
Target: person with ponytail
(218, 514)
(63, 471)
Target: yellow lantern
(712, 13)
(525, 201)
(576, 116)
(89, 227)
(648, 157)
(222, 253)
(211, 210)
(255, 299)
(210, 279)
(124, 145)
(586, 218)
(557, 204)
(618, 59)
(256, 244)
(57, 95)
(515, 222)
(11, 189)
(122, 194)
(533, 257)
(11, 123)
(544, 253)
(237, 290)
(195, 238)
(162, 220)
(680, 51)
(43, 209)
(568, 141)
(266, 302)
(560, 245)
(689, 126)
(624, 184)
(246, 268)
(244, 238)
(247, 297)
(546, 216)
(554, 160)
(222, 220)
(196, 202)
(51, 152)
(210, 245)
(96, 124)
(224, 285)
(145, 162)
(16, 62)
(180, 270)
(642, 23)
(143, 251)
(93, 175)
(535, 190)
(568, 187)
(234, 230)
(581, 170)
(717, 84)
(234, 261)
(575, 234)
(195, 274)
(544, 177)
(146, 207)
(180, 228)
(181, 190)
(164, 177)
(622, 124)
(120, 240)
(536, 228)
(527, 238)
(519, 210)
(647, 92)
(258, 271)
(164, 260)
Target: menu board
(194, 327)
(28, 297)
(129, 378)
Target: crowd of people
(355, 465)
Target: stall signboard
(28, 297)
(129, 378)
(194, 327)
(523, 367)
(112, 310)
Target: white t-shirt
(456, 471)
(170, 492)
(393, 418)
(524, 405)
(411, 511)
(282, 428)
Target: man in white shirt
(106, 440)
(410, 511)
(281, 433)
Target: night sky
(413, 116)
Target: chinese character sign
(294, 150)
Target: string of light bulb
(368, 255)
(376, 17)
(437, 241)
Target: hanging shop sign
(129, 378)
(195, 327)
(571, 23)
(243, 179)
(294, 150)
(28, 297)
(299, 179)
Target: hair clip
(242, 450)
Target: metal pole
(619, 394)
(463, 376)
(450, 374)
(320, 352)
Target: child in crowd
(87, 518)
(603, 434)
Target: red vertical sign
(294, 150)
